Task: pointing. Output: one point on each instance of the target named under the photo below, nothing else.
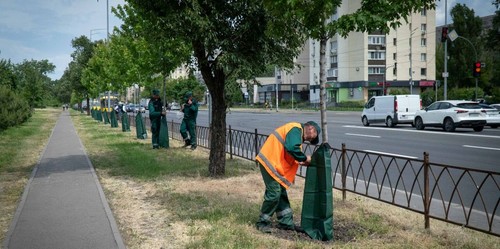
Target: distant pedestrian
(188, 125)
(156, 111)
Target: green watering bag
(317, 206)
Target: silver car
(492, 115)
(450, 114)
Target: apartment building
(369, 64)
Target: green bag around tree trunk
(317, 205)
(164, 143)
(125, 123)
(114, 122)
(140, 127)
(105, 116)
(99, 116)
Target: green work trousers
(189, 126)
(155, 132)
(275, 201)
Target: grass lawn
(165, 199)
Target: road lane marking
(362, 135)
(390, 154)
(420, 131)
(480, 147)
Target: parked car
(492, 115)
(391, 110)
(139, 108)
(497, 106)
(174, 106)
(450, 114)
(130, 107)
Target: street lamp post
(445, 73)
(453, 36)
(411, 60)
(385, 79)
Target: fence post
(172, 128)
(230, 143)
(343, 173)
(426, 190)
(256, 147)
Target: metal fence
(457, 195)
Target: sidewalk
(63, 205)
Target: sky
(34, 29)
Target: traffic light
(444, 34)
(477, 69)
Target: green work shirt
(293, 141)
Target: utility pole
(445, 73)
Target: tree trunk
(217, 166)
(322, 89)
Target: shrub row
(14, 109)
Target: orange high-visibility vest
(275, 159)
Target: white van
(391, 110)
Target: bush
(14, 109)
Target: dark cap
(188, 94)
(156, 92)
(318, 130)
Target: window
(376, 40)
(423, 71)
(423, 57)
(376, 70)
(332, 72)
(423, 12)
(333, 59)
(394, 56)
(395, 41)
(423, 27)
(375, 55)
(423, 42)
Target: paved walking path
(63, 205)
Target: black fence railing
(458, 195)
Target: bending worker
(188, 125)
(279, 159)
(155, 112)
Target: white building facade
(369, 64)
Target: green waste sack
(99, 116)
(106, 117)
(163, 133)
(92, 113)
(140, 127)
(317, 205)
(125, 123)
(114, 122)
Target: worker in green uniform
(188, 125)
(279, 158)
(156, 111)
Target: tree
(318, 24)
(33, 82)
(229, 39)
(493, 49)
(462, 54)
(84, 49)
(7, 76)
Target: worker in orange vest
(279, 159)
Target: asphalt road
(464, 147)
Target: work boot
(264, 228)
(295, 228)
(187, 142)
(193, 147)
